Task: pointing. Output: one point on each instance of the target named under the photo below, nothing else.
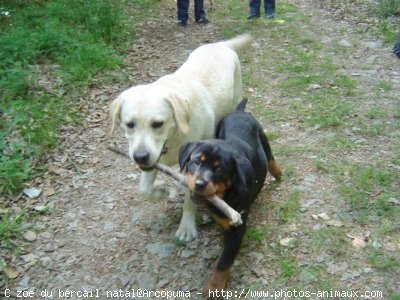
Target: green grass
(10, 230)
(255, 234)
(368, 189)
(386, 9)
(12, 226)
(290, 208)
(66, 43)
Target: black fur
(242, 151)
(396, 49)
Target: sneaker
(202, 21)
(270, 15)
(253, 16)
(182, 23)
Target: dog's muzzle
(142, 158)
(198, 199)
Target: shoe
(270, 15)
(202, 21)
(182, 23)
(253, 16)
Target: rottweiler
(232, 166)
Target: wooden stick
(233, 215)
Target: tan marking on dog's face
(220, 189)
(208, 191)
(203, 158)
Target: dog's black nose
(141, 157)
(200, 184)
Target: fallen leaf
(11, 271)
(49, 191)
(335, 223)
(358, 243)
(324, 216)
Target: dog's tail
(240, 42)
(242, 105)
(273, 168)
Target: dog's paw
(217, 284)
(212, 291)
(187, 231)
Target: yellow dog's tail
(240, 42)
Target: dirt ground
(101, 236)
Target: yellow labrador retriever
(182, 107)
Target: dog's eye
(130, 125)
(157, 125)
(218, 170)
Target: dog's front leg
(146, 186)
(187, 230)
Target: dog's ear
(115, 111)
(181, 109)
(184, 154)
(244, 170)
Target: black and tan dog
(233, 166)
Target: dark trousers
(183, 8)
(269, 6)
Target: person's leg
(183, 7)
(199, 13)
(254, 9)
(269, 7)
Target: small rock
(147, 281)
(187, 253)
(108, 199)
(109, 206)
(108, 226)
(23, 284)
(160, 250)
(40, 208)
(30, 236)
(337, 268)
(373, 44)
(32, 192)
(286, 242)
(345, 43)
(367, 270)
(29, 259)
(162, 283)
(46, 235)
(314, 86)
(376, 244)
(46, 262)
(303, 209)
(394, 201)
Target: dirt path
(101, 235)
